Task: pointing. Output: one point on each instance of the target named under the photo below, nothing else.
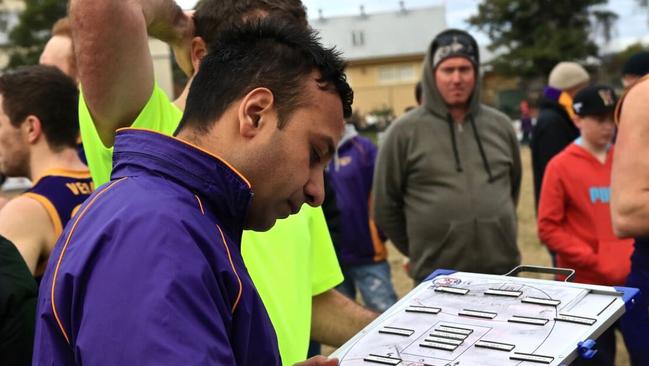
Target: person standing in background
(555, 129)
(448, 173)
(526, 122)
(359, 243)
(39, 127)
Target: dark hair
(47, 93)
(267, 53)
(418, 93)
(637, 65)
(212, 16)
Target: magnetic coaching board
(460, 318)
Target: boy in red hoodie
(574, 218)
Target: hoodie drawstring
(482, 153)
(458, 164)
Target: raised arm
(111, 46)
(630, 179)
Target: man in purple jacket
(149, 272)
(359, 243)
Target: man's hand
(182, 47)
(318, 361)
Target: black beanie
(454, 43)
(637, 64)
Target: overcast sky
(632, 26)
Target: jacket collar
(224, 190)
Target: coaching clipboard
(460, 318)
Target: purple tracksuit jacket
(149, 271)
(358, 240)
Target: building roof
(398, 33)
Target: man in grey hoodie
(448, 173)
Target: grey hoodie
(444, 204)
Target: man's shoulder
(152, 201)
(25, 220)
(563, 159)
(493, 114)
(410, 122)
(134, 218)
(25, 209)
(366, 144)
(363, 140)
(550, 115)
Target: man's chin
(260, 226)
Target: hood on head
(447, 44)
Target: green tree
(28, 37)
(533, 35)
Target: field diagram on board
(472, 319)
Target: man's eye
(315, 157)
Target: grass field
(531, 249)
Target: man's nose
(456, 77)
(314, 188)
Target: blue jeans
(373, 281)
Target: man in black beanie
(635, 68)
(448, 173)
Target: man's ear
(256, 111)
(199, 50)
(32, 129)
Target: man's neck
(44, 160)
(181, 101)
(458, 113)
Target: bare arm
(111, 46)
(630, 177)
(26, 224)
(336, 318)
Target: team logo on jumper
(345, 160)
(600, 194)
(607, 97)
